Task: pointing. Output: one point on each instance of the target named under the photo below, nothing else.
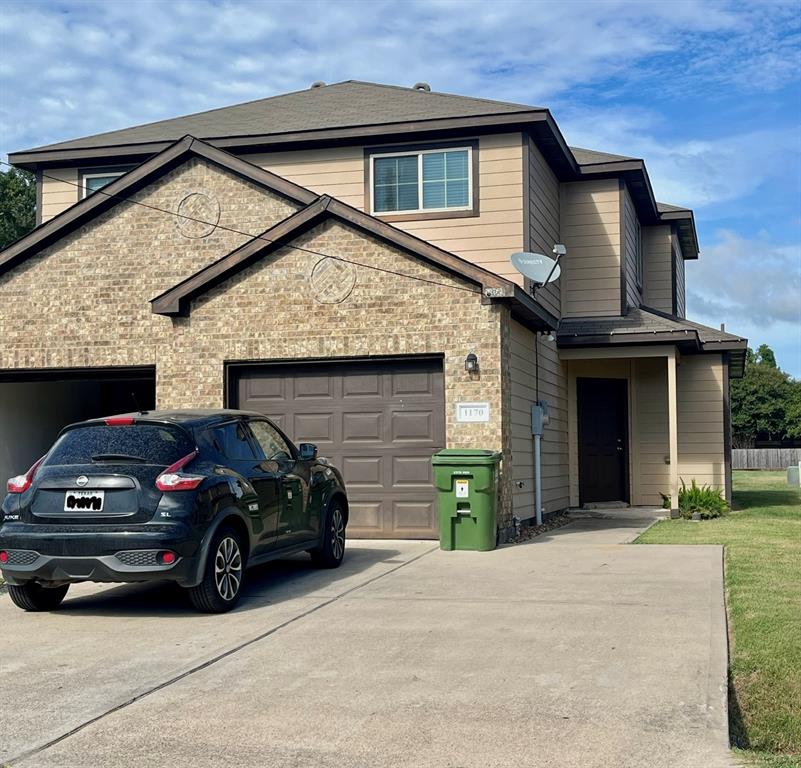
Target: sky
(708, 93)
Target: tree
(766, 402)
(765, 356)
(793, 414)
(17, 205)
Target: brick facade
(86, 304)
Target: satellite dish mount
(538, 268)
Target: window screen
(396, 183)
(426, 180)
(91, 183)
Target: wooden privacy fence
(764, 458)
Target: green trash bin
(467, 498)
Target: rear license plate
(84, 501)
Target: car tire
(332, 550)
(221, 587)
(33, 596)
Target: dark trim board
(473, 144)
(118, 191)
(230, 367)
(539, 124)
(727, 429)
(526, 152)
(176, 301)
(621, 213)
(38, 219)
(113, 373)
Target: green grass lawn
(762, 536)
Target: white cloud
(128, 63)
(747, 278)
(754, 286)
(694, 172)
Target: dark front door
(602, 439)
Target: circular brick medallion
(199, 215)
(332, 280)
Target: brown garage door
(380, 422)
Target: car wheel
(330, 553)
(221, 587)
(33, 596)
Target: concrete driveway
(571, 650)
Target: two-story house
(339, 259)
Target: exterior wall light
(471, 363)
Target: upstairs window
(91, 182)
(423, 181)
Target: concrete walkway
(570, 650)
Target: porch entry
(602, 408)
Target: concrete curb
(718, 681)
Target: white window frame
(107, 174)
(420, 152)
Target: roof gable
(176, 301)
(122, 188)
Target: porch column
(673, 432)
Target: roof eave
(123, 187)
(32, 159)
(176, 301)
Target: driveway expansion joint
(205, 665)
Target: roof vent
(422, 87)
(317, 84)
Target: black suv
(195, 497)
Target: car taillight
(172, 479)
(21, 483)
(119, 421)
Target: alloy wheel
(228, 568)
(337, 534)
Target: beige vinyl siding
(553, 388)
(630, 246)
(680, 287)
(657, 263)
(59, 191)
(650, 438)
(337, 171)
(590, 223)
(700, 421)
(700, 408)
(490, 238)
(543, 220)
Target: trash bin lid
(469, 456)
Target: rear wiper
(117, 457)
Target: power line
(256, 237)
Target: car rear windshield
(149, 443)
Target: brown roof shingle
(340, 105)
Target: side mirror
(307, 451)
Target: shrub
(708, 502)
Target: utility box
(467, 498)
(794, 476)
(540, 417)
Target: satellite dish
(536, 267)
